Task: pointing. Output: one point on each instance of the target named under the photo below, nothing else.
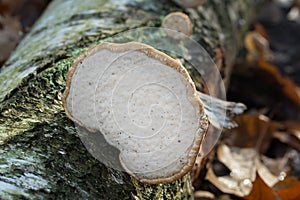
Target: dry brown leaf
(244, 164)
(277, 166)
(258, 47)
(261, 30)
(250, 178)
(252, 129)
(258, 54)
(204, 194)
(257, 44)
(287, 88)
(289, 181)
(290, 138)
(290, 193)
(262, 191)
(293, 128)
(292, 125)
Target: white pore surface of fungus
(143, 102)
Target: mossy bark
(41, 155)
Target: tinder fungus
(143, 102)
(178, 25)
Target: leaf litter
(260, 159)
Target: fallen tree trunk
(41, 155)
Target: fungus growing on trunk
(180, 25)
(143, 102)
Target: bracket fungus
(180, 25)
(143, 102)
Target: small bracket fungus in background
(179, 22)
(143, 102)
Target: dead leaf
(262, 191)
(282, 84)
(289, 138)
(286, 183)
(293, 128)
(244, 164)
(290, 193)
(254, 188)
(277, 166)
(257, 44)
(261, 30)
(203, 194)
(252, 128)
(292, 125)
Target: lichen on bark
(177, 190)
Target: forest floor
(262, 155)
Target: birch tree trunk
(41, 155)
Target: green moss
(177, 190)
(37, 102)
(50, 161)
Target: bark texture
(41, 155)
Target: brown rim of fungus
(191, 152)
(178, 22)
